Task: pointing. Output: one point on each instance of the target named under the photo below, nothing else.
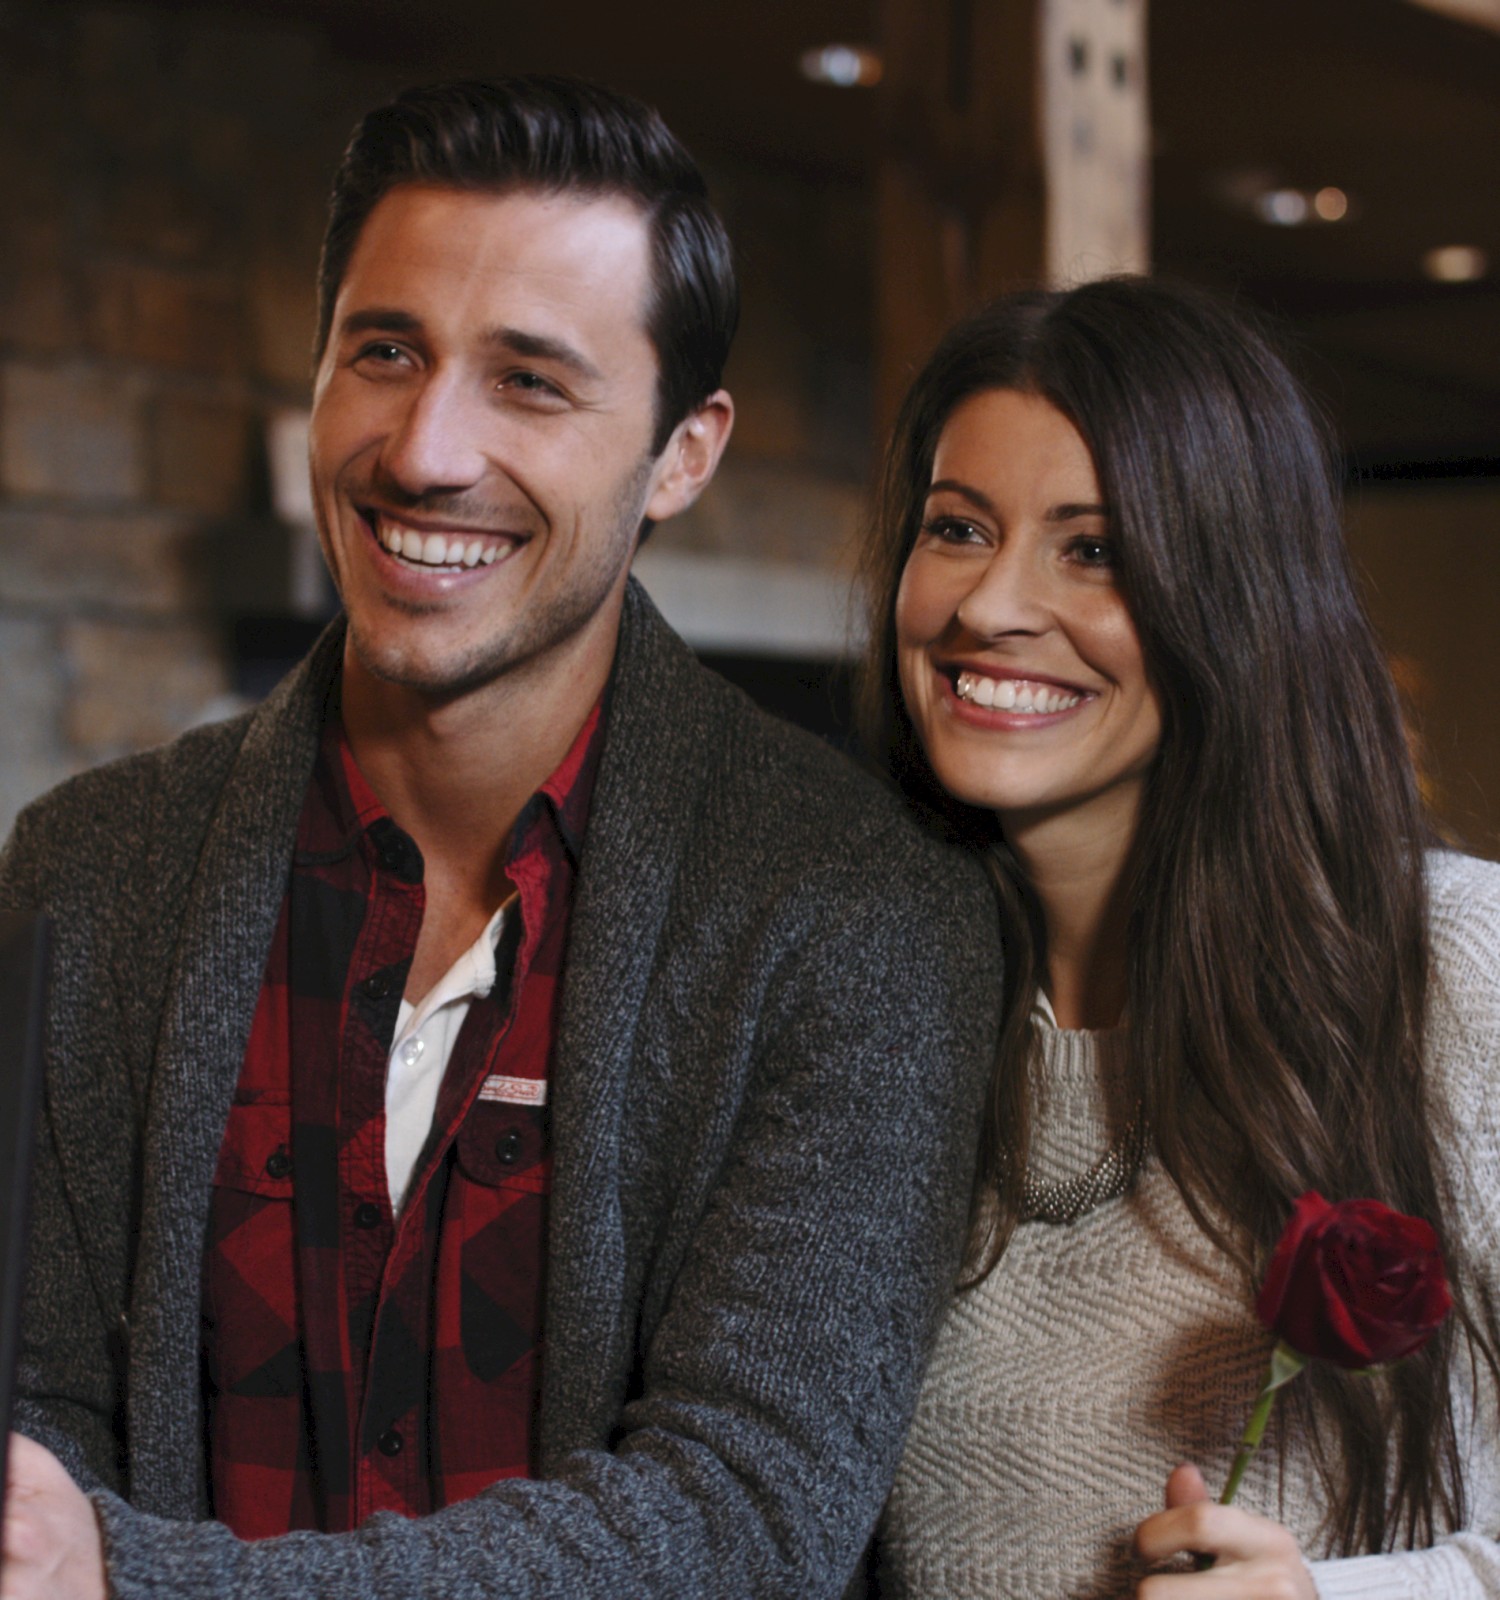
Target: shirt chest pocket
(256, 1154)
(502, 1146)
(249, 1266)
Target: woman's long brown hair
(1277, 947)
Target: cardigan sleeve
(65, 1388)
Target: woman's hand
(1253, 1557)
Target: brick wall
(163, 175)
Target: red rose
(1355, 1283)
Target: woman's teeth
(437, 549)
(1013, 694)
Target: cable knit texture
(1096, 1357)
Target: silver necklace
(1067, 1199)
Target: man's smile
(446, 549)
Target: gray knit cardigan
(777, 1012)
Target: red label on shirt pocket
(256, 1154)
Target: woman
(1116, 646)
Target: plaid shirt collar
(351, 807)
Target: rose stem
(1285, 1365)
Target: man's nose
(439, 440)
(1008, 596)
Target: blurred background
(881, 164)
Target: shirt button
(377, 987)
(367, 1214)
(411, 1050)
(390, 1443)
(508, 1147)
(392, 857)
(278, 1163)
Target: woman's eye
(1099, 553)
(950, 530)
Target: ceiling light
(1283, 208)
(1456, 263)
(845, 66)
(1256, 190)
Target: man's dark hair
(557, 135)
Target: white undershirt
(425, 1036)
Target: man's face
(481, 429)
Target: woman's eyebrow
(972, 495)
(1066, 512)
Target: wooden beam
(1016, 153)
(1096, 138)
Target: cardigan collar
(640, 818)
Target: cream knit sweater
(1098, 1356)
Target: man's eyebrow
(1065, 512)
(382, 319)
(541, 347)
(513, 341)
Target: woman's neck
(1081, 881)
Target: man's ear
(691, 456)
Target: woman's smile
(1027, 697)
(1020, 663)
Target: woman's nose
(1008, 596)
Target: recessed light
(1283, 208)
(1456, 263)
(845, 66)
(1258, 191)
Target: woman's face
(1019, 662)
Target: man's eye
(531, 384)
(381, 352)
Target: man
(504, 972)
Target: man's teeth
(1014, 694)
(437, 549)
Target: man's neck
(455, 772)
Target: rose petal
(1306, 1212)
(1354, 1283)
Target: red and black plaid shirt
(357, 1361)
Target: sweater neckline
(1080, 1094)
(1084, 1055)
